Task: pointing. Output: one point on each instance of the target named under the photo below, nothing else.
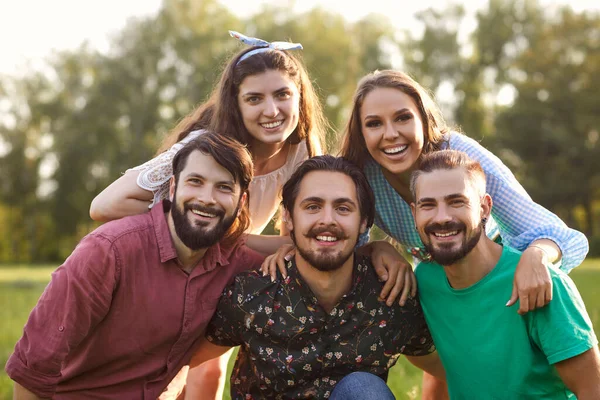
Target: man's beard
(194, 234)
(445, 254)
(324, 260)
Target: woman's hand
(392, 268)
(532, 285)
(278, 260)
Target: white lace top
(265, 195)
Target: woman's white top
(265, 190)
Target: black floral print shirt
(291, 348)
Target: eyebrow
(196, 175)
(401, 111)
(341, 200)
(448, 197)
(261, 93)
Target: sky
(31, 29)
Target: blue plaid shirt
(515, 216)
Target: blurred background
(89, 90)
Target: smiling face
(205, 201)
(448, 213)
(392, 128)
(269, 104)
(326, 221)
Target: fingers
(391, 281)
(513, 297)
(399, 286)
(413, 286)
(408, 287)
(523, 305)
(280, 262)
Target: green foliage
(67, 133)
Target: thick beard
(196, 236)
(324, 262)
(447, 257)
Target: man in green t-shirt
(489, 351)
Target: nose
(205, 194)
(442, 215)
(271, 109)
(327, 216)
(390, 132)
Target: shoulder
(250, 287)
(239, 253)
(116, 230)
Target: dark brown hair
(364, 193)
(222, 114)
(235, 158)
(447, 160)
(354, 147)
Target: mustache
(334, 230)
(448, 226)
(205, 209)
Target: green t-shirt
(489, 351)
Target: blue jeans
(362, 386)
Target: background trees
(522, 82)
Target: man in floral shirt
(302, 335)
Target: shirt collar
(359, 272)
(215, 254)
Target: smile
(445, 235)
(323, 238)
(272, 125)
(204, 214)
(395, 150)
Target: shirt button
(61, 328)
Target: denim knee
(362, 386)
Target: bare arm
(204, 352)
(434, 377)
(267, 244)
(581, 374)
(20, 393)
(121, 198)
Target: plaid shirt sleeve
(520, 219)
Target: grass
(21, 286)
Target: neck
(268, 157)
(474, 266)
(188, 258)
(328, 286)
(400, 183)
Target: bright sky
(31, 29)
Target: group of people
(149, 304)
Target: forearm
(119, 209)
(121, 198)
(434, 388)
(549, 247)
(267, 244)
(21, 393)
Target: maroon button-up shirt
(120, 317)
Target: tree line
(524, 83)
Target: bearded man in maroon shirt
(121, 316)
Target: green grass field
(21, 286)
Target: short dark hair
(447, 160)
(364, 193)
(235, 158)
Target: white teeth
(203, 214)
(327, 238)
(437, 234)
(395, 150)
(272, 125)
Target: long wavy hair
(354, 147)
(221, 112)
